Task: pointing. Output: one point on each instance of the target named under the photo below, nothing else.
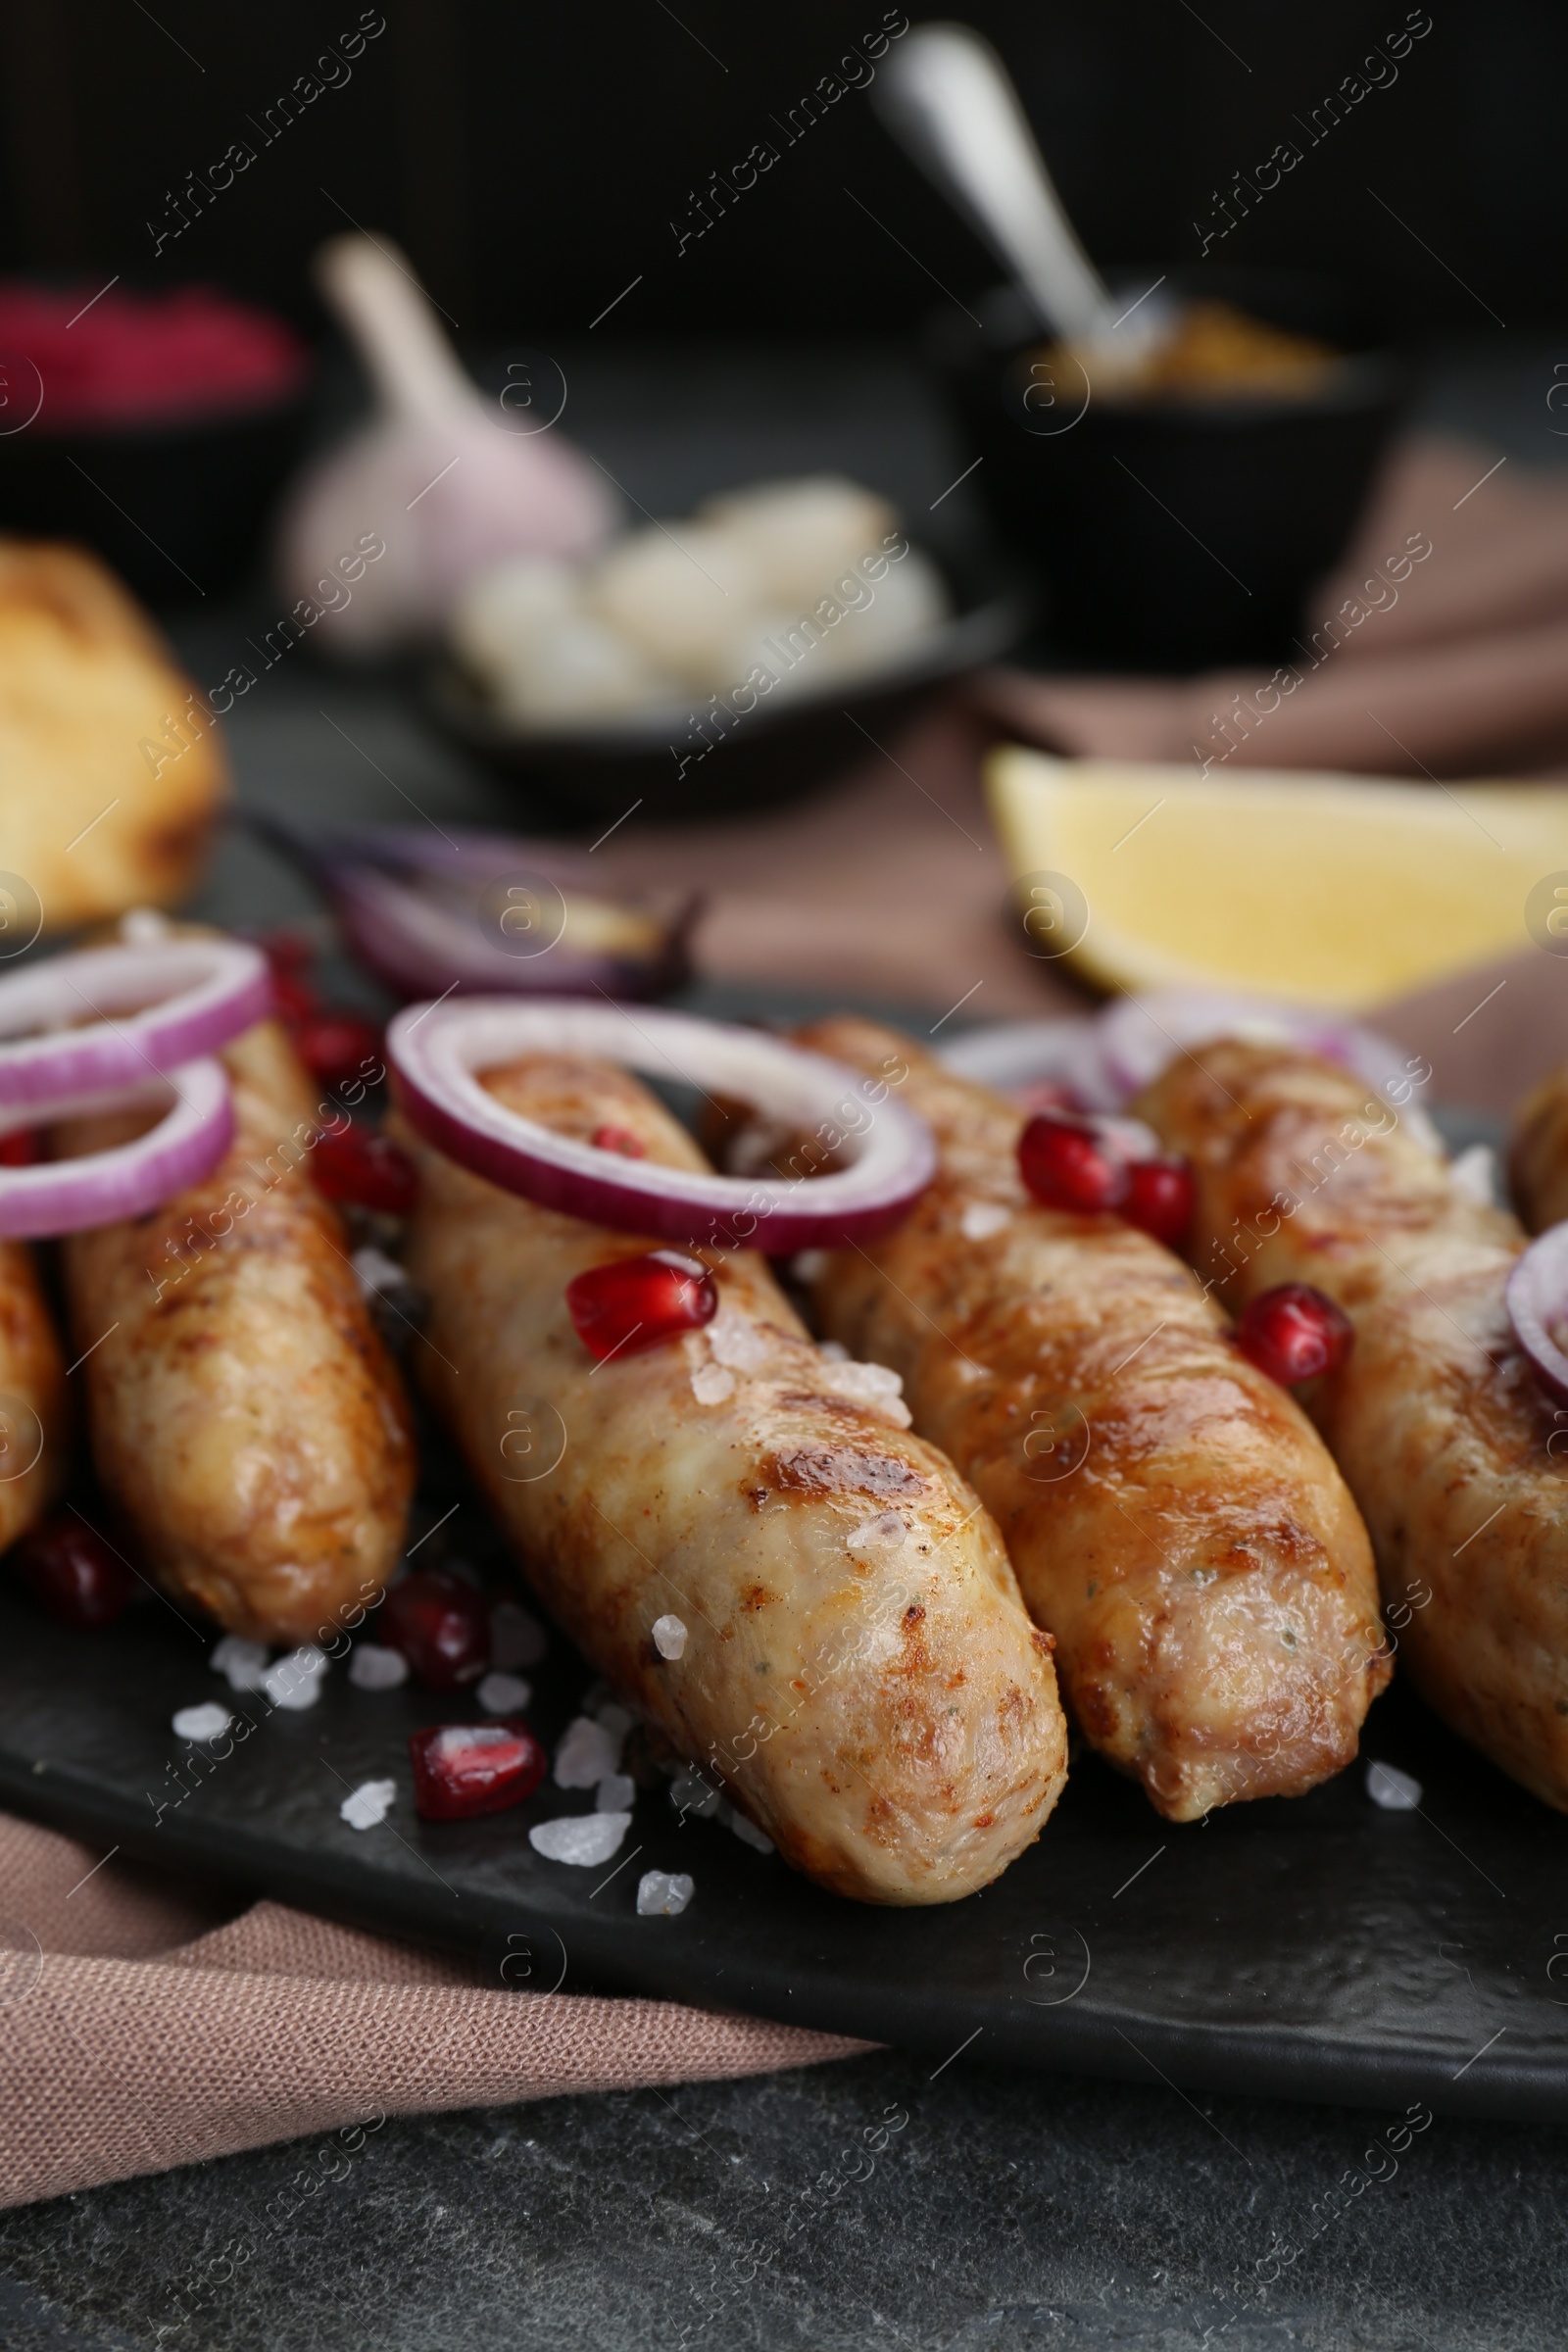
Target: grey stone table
(1005, 2210)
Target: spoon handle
(946, 98)
(389, 318)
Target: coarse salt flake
(371, 1802)
(587, 1754)
(983, 1218)
(206, 1722)
(242, 1663)
(750, 1834)
(616, 1793)
(669, 1637)
(809, 1265)
(374, 1667)
(517, 1637)
(664, 1893)
(504, 1693)
(875, 1388)
(1395, 1790)
(1474, 1175)
(295, 1681)
(376, 1273)
(711, 1384)
(735, 1340)
(583, 1839)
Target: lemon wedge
(1327, 889)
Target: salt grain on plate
(750, 1834)
(242, 1663)
(295, 1681)
(810, 1265)
(371, 1802)
(517, 1637)
(711, 1384)
(583, 1838)
(206, 1722)
(615, 1794)
(378, 1275)
(664, 1893)
(669, 1637)
(983, 1218)
(504, 1693)
(611, 1717)
(1395, 1790)
(691, 1793)
(835, 1350)
(374, 1667)
(587, 1754)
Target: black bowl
(176, 509)
(678, 764)
(1173, 535)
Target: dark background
(531, 158)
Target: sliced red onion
(438, 1049)
(1140, 1035)
(1537, 1299)
(101, 1187)
(429, 914)
(146, 1009)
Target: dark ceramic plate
(1320, 1949)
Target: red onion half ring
(1536, 1299)
(62, 1196)
(437, 1051)
(100, 1018)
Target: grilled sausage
(858, 1667)
(1538, 1164)
(1442, 1434)
(242, 1410)
(1173, 1516)
(33, 1396)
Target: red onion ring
(160, 1005)
(1538, 1288)
(437, 1049)
(62, 1196)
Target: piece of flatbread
(110, 772)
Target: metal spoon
(946, 96)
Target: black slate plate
(1316, 1949)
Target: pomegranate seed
(286, 951)
(1066, 1165)
(72, 1574)
(336, 1046)
(18, 1148)
(1294, 1333)
(440, 1624)
(293, 998)
(619, 1139)
(637, 1303)
(369, 1169)
(1159, 1199)
(461, 1769)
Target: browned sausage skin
(857, 1664)
(1173, 1518)
(1537, 1163)
(33, 1396)
(242, 1410)
(1435, 1418)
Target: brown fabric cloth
(1458, 668)
(139, 2030)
